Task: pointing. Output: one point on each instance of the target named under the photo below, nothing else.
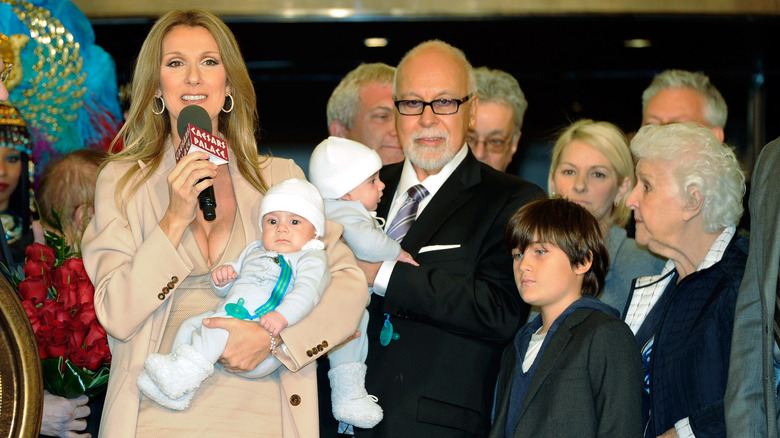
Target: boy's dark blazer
(454, 313)
(566, 396)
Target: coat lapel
(157, 190)
(550, 356)
(391, 176)
(246, 195)
(450, 198)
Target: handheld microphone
(194, 127)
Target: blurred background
(573, 59)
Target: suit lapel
(450, 198)
(550, 356)
(504, 386)
(768, 230)
(391, 176)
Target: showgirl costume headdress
(63, 85)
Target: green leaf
(63, 378)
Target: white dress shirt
(408, 179)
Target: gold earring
(162, 106)
(232, 103)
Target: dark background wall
(569, 67)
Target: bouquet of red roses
(59, 300)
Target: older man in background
(684, 96)
(361, 109)
(455, 312)
(494, 136)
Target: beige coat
(130, 260)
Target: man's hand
(62, 417)
(671, 433)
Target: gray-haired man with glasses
(454, 313)
(495, 133)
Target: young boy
(277, 280)
(575, 370)
(347, 175)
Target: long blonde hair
(144, 134)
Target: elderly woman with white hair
(687, 202)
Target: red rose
(53, 313)
(96, 335)
(41, 253)
(67, 294)
(77, 266)
(36, 269)
(97, 356)
(34, 290)
(86, 314)
(65, 282)
(78, 332)
(43, 337)
(86, 292)
(32, 314)
(58, 342)
(78, 356)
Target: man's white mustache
(430, 134)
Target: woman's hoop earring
(162, 105)
(232, 102)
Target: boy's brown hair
(570, 227)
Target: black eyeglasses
(441, 107)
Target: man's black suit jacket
(454, 313)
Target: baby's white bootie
(149, 389)
(351, 403)
(180, 372)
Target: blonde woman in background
(592, 166)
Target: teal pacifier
(386, 334)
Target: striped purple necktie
(407, 213)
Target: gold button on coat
(295, 399)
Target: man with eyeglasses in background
(494, 135)
(455, 312)
(361, 109)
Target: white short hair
(701, 162)
(500, 87)
(715, 108)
